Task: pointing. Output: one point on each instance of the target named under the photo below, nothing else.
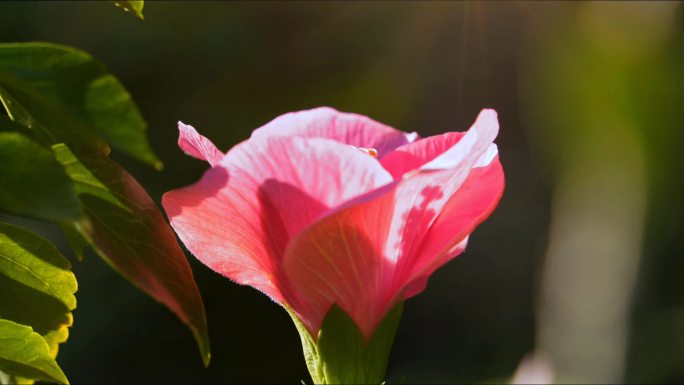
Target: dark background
(555, 72)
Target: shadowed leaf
(77, 242)
(73, 96)
(128, 231)
(32, 182)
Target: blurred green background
(579, 269)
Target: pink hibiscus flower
(320, 207)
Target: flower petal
(413, 155)
(197, 145)
(361, 256)
(417, 154)
(477, 141)
(469, 206)
(238, 218)
(424, 192)
(224, 230)
(418, 284)
(325, 122)
(474, 201)
(339, 260)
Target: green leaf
(35, 263)
(36, 285)
(25, 353)
(92, 183)
(36, 289)
(133, 6)
(18, 114)
(129, 232)
(77, 241)
(32, 182)
(73, 96)
(341, 355)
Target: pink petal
(339, 259)
(470, 205)
(476, 143)
(413, 155)
(223, 230)
(361, 256)
(423, 193)
(326, 122)
(474, 201)
(416, 154)
(238, 218)
(418, 284)
(197, 145)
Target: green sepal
(341, 355)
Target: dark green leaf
(18, 114)
(341, 355)
(36, 288)
(73, 96)
(25, 353)
(32, 182)
(130, 233)
(77, 242)
(133, 6)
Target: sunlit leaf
(130, 233)
(25, 353)
(133, 6)
(36, 289)
(73, 96)
(35, 263)
(32, 182)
